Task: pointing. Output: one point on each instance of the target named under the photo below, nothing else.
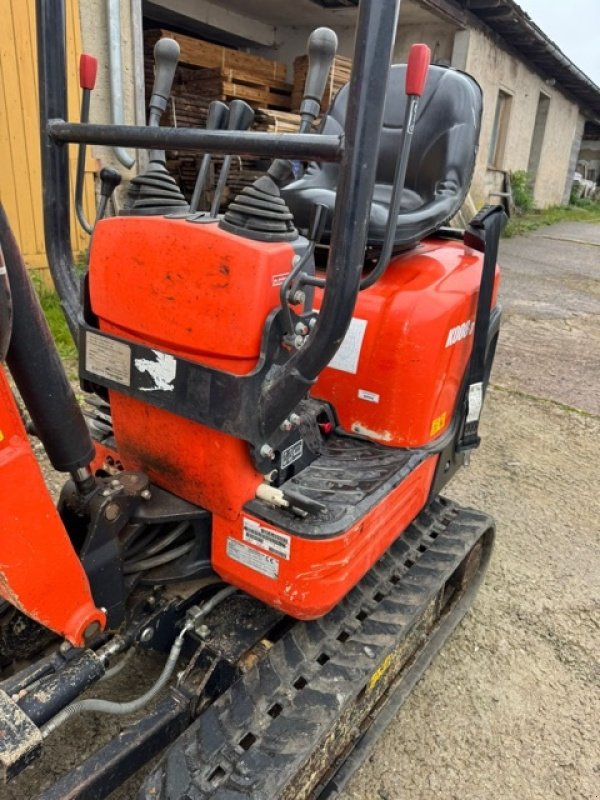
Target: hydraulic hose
(132, 706)
(5, 310)
(50, 21)
(36, 367)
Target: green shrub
(522, 193)
(56, 320)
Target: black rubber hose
(52, 83)
(38, 371)
(5, 310)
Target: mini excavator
(276, 396)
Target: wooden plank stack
(339, 75)
(197, 53)
(227, 84)
(208, 72)
(223, 73)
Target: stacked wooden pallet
(338, 77)
(208, 72)
(198, 53)
(224, 74)
(227, 84)
(276, 121)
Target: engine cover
(199, 292)
(397, 375)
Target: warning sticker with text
(274, 542)
(253, 559)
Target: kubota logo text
(460, 332)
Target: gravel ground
(510, 708)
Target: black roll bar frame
(357, 150)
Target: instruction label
(292, 453)
(251, 558)
(347, 357)
(107, 358)
(370, 397)
(475, 401)
(274, 542)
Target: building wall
(94, 35)
(20, 167)
(497, 69)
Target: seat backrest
(442, 156)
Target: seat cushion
(442, 158)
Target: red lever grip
(417, 67)
(88, 67)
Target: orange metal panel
(40, 572)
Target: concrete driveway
(511, 709)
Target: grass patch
(580, 211)
(56, 320)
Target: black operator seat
(441, 163)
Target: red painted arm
(40, 572)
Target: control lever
(166, 56)
(417, 69)
(241, 117)
(218, 116)
(321, 49)
(109, 180)
(88, 68)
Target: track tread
(312, 675)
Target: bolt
(146, 494)
(286, 425)
(112, 512)
(298, 298)
(312, 322)
(203, 631)
(146, 635)
(105, 492)
(299, 342)
(115, 483)
(295, 419)
(301, 329)
(65, 647)
(267, 451)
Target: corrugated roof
(508, 19)
(518, 30)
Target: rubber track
(276, 731)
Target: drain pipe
(115, 68)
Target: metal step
(290, 723)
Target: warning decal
(274, 542)
(253, 559)
(108, 359)
(347, 357)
